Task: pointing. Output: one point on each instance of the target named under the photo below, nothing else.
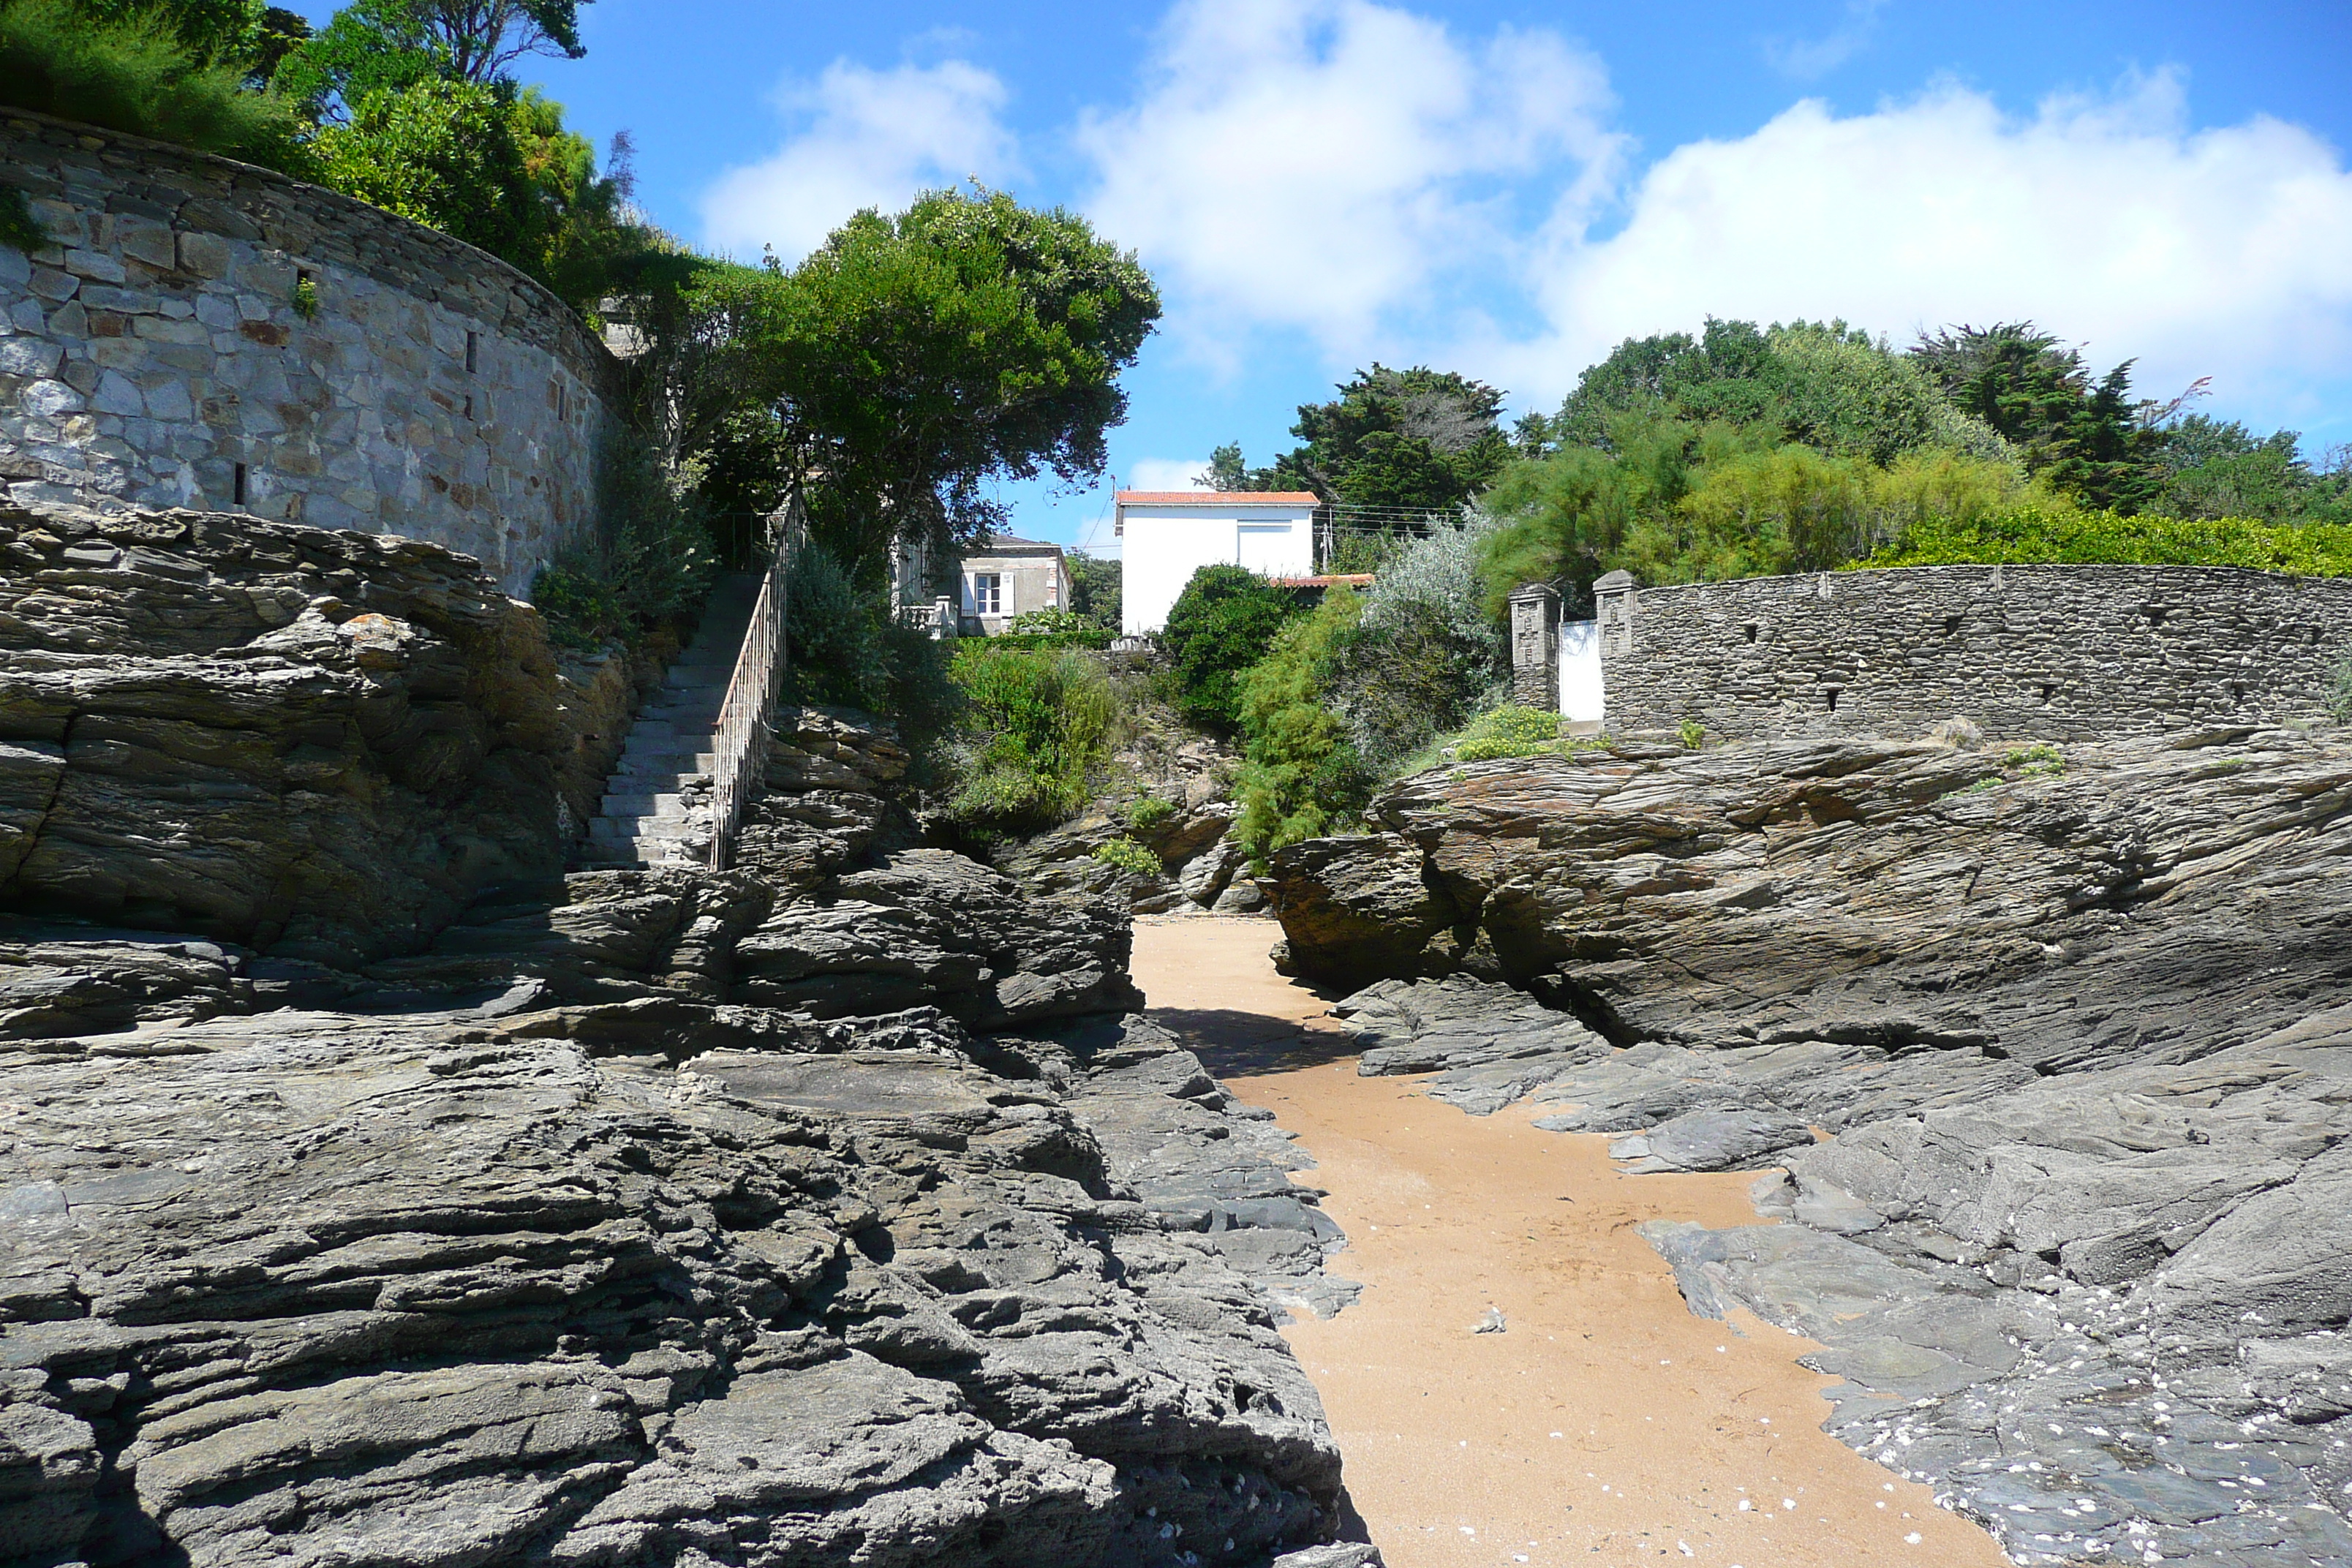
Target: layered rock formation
(317, 743)
(824, 1210)
(2049, 1045)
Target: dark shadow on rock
(1235, 1044)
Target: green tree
(913, 361)
(378, 46)
(1419, 439)
(1096, 588)
(2091, 437)
(1225, 470)
(1219, 627)
(1300, 777)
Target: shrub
(1220, 625)
(1300, 775)
(845, 649)
(134, 71)
(1039, 727)
(1148, 811)
(1505, 732)
(2340, 691)
(1130, 856)
(1052, 622)
(1427, 653)
(1097, 640)
(1691, 733)
(2049, 531)
(647, 566)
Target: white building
(1170, 534)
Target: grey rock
(1712, 1141)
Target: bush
(1097, 640)
(1300, 775)
(647, 566)
(1039, 727)
(1130, 856)
(2046, 531)
(1505, 732)
(2339, 691)
(1052, 622)
(134, 71)
(1220, 625)
(1427, 653)
(1148, 811)
(845, 649)
(1095, 588)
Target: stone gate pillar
(1613, 603)
(1535, 645)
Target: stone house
(1008, 576)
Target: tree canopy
(913, 360)
(1418, 439)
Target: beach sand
(1606, 1424)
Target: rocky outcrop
(453, 1209)
(320, 743)
(2047, 1045)
(431, 1289)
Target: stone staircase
(657, 806)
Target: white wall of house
(1169, 535)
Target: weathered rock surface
(2076, 1234)
(322, 743)
(430, 1288)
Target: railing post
(747, 715)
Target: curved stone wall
(163, 352)
(2024, 651)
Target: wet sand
(1606, 1425)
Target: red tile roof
(1219, 497)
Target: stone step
(663, 806)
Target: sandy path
(1607, 1424)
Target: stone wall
(2031, 651)
(165, 352)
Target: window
(236, 484)
(988, 593)
(473, 353)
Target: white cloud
(2225, 251)
(1324, 164)
(870, 137)
(1813, 58)
(1164, 474)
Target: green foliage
(1822, 385)
(1097, 640)
(2039, 759)
(845, 649)
(2051, 531)
(1148, 811)
(306, 298)
(646, 566)
(2215, 469)
(1039, 727)
(2090, 438)
(1128, 856)
(173, 72)
(19, 229)
(1691, 733)
(1505, 731)
(1220, 625)
(1300, 777)
(912, 360)
(374, 46)
(1095, 588)
(1427, 653)
(1418, 439)
(1052, 622)
(2340, 691)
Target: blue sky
(1508, 189)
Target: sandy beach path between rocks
(1606, 1425)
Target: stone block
(30, 356)
(167, 398)
(50, 399)
(96, 266)
(145, 240)
(203, 255)
(117, 394)
(50, 283)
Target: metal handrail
(748, 715)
